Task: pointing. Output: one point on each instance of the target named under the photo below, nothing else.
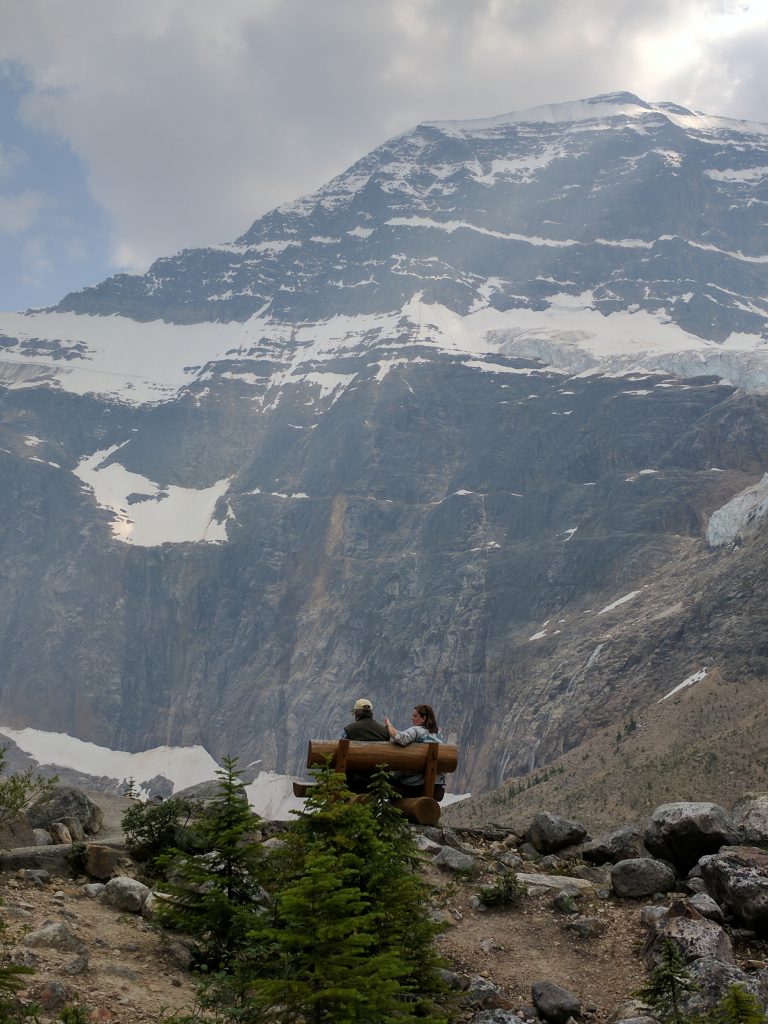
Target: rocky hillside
(580, 931)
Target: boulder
(625, 843)
(125, 894)
(566, 900)
(684, 832)
(694, 936)
(54, 936)
(482, 992)
(496, 1017)
(640, 877)
(586, 927)
(713, 978)
(16, 831)
(737, 879)
(454, 860)
(52, 995)
(425, 845)
(554, 883)
(93, 889)
(42, 837)
(549, 833)
(706, 906)
(510, 859)
(750, 815)
(76, 829)
(104, 862)
(66, 802)
(60, 833)
(652, 913)
(696, 885)
(554, 1004)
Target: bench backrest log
(427, 759)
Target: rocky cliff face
(360, 456)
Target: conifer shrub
(509, 892)
(667, 986)
(340, 933)
(348, 938)
(152, 830)
(738, 1006)
(213, 893)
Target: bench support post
(430, 770)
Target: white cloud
(193, 119)
(11, 157)
(18, 213)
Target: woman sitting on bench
(423, 730)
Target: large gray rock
(703, 904)
(713, 978)
(454, 860)
(641, 876)
(550, 832)
(125, 894)
(737, 879)
(554, 883)
(496, 1017)
(16, 831)
(750, 815)
(553, 1003)
(66, 802)
(54, 936)
(694, 936)
(482, 992)
(683, 832)
(625, 843)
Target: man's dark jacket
(367, 729)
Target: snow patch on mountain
(696, 677)
(151, 362)
(183, 766)
(146, 513)
(112, 355)
(740, 516)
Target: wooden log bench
(427, 759)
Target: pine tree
(349, 941)
(215, 893)
(738, 1006)
(667, 985)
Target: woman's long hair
(426, 712)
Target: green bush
(509, 891)
(153, 830)
(20, 789)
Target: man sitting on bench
(365, 729)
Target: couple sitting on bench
(366, 729)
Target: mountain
(482, 422)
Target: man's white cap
(363, 705)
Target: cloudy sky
(132, 130)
